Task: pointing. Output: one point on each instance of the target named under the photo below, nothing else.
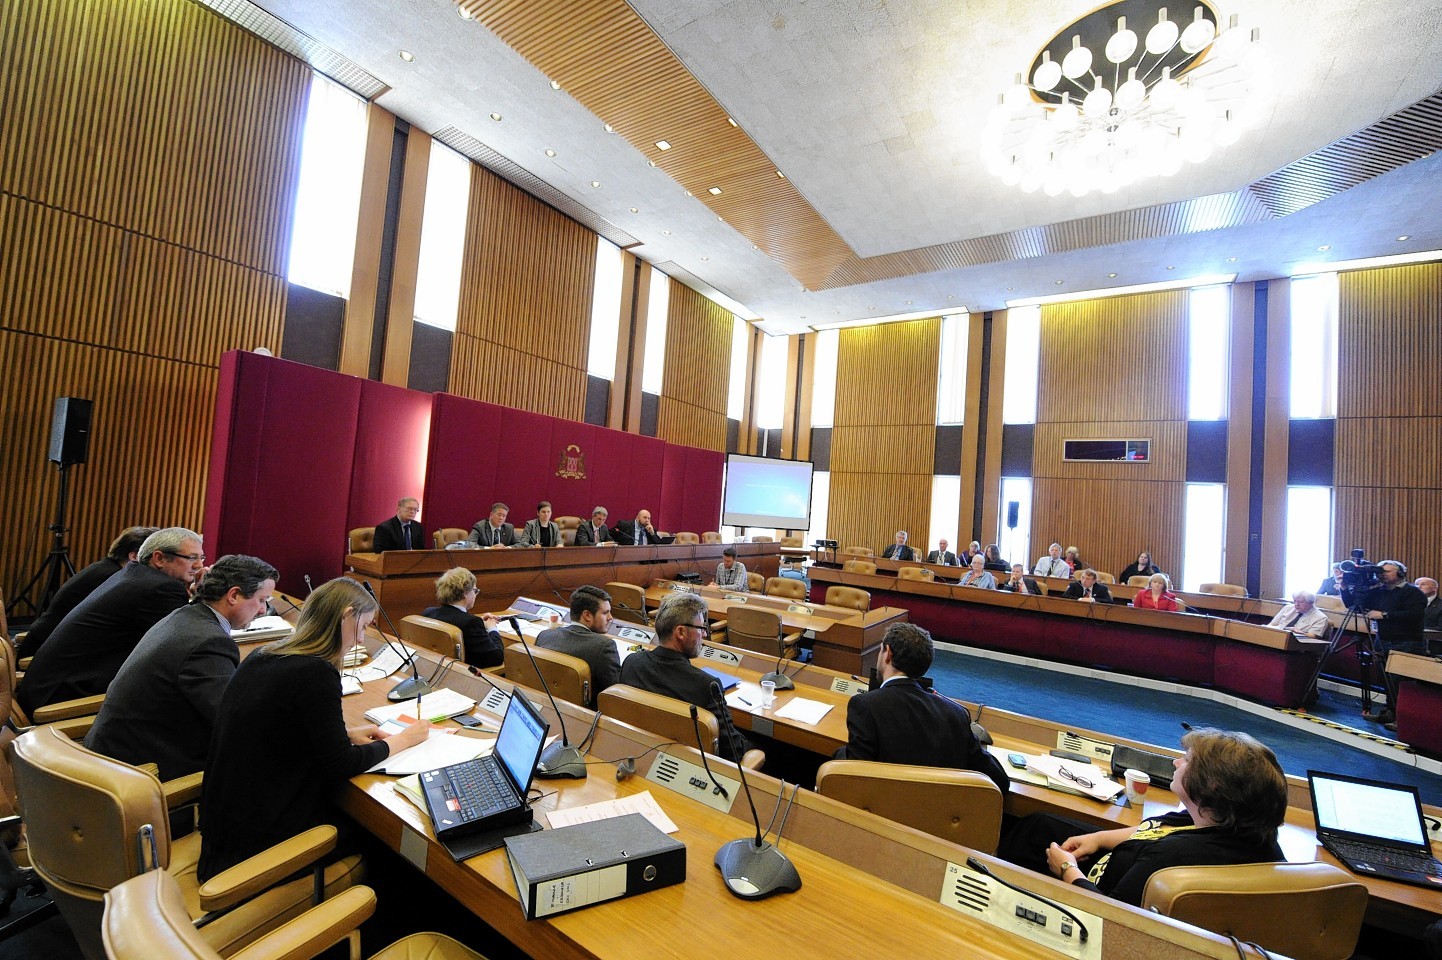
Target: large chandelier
(1105, 107)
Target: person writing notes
(730, 573)
(455, 594)
(1301, 616)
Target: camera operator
(1395, 608)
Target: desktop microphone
(407, 689)
(559, 759)
(778, 676)
(981, 868)
(753, 868)
(701, 745)
(288, 602)
(310, 589)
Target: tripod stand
(1356, 618)
(55, 562)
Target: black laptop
(489, 792)
(1375, 828)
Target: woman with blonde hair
(1158, 595)
(455, 593)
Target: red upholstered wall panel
(393, 432)
(465, 454)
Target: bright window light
(1308, 557)
(327, 197)
(945, 515)
(605, 311)
(951, 375)
(736, 387)
(820, 500)
(1314, 347)
(1023, 354)
(1202, 532)
(1209, 320)
(658, 307)
(443, 237)
(823, 386)
(770, 391)
(1015, 543)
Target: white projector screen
(761, 492)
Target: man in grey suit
(585, 637)
(494, 531)
(595, 532)
(161, 706)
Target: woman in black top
(993, 559)
(1142, 568)
(280, 742)
(456, 592)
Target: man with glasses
(87, 648)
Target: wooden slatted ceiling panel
(697, 373)
(146, 178)
(524, 317)
(884, 440)
(1389, 415)
(606, 57)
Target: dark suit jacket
(585, 539)
(67, 598)
(531, 535)
(161, 706)
(898, 552)
(481, 533)
(85, 652)
(936, 556)
(625, 534)
(903, 722)
(1432, 616)
(1009, 587)
(1075, 590)
(669, 673)
(391, 536)
(597, 649)
(483, 647)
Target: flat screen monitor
(762, 492)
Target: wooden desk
(1419, 700)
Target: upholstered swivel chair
(788, 587)
(666, 717)
(1140, 580)
(568, 677)
(1224, 589)
(361, 540)
(710, 536)
(859, 566)
(686, 536)
(446, 536)
(755, 583)
(568, 526)
(914, 573)
(628, 602)
(434, 635)
(753, 628)
(858, 552)
(842, 596)
(962, 806)
(1106, 577)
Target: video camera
(1358, 573)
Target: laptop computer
(489, 792)
(1375, 828)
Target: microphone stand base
(753, 871)
(782, 681)
(559, 761)
(409, 690)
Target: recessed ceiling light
(1172, 267)
(908, 303)
(650, 163)
(1111, 275)
(1009, 289)
(464, 13)
(755, 247)
(951, 296)
(595, 183)
(665, 233)
(610, 129)
(720, 220)
(550, 153)
(714, 191)
(1060, 282)
(495, 116)
(705, 258)
(1405, 236)
(555, 84)
(407, 56)
(635, 209)
(689, 193)
(1325, 247)
(781, 175)
(732, 121)
(663, 144)
(1231, 259)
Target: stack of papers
(384, 664)
(642, 803)
(440, 705)
(1101, 788)
(441, 749)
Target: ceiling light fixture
(1139, 109)
(407, 56)
(1324, 248)
(650, 163)
(635, 209)
(496, 117)
(595, 183)
(464, 13)
(714, 191)
(663, 145)
(781, 175)
(665, 233)
(555, 84)
(1110, 275)
(732, 121)
(550, 153)
(1231, 259)
(1404, 236)
(1202, 281)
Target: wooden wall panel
(525, 303)
(1111, 523)
(697, 372)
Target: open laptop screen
(518, 745)
(1379, 811)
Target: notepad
(440, 705)
(440, 749)
(804, 711)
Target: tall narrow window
(820, 500)
(1202, 532)
(1015, 541)
(327, 197)
(736, 387)
(443, 237)
(1209, 316)
(1309, 538)
(823, 386)
(605, 311)
(945, 515)
(657, 309)
(1314, 346)
(951, 374)
(1023, 353)
(771, 390)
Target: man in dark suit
(638, 532)
(161, 706)
(86, 650)
(899, 550)
(585, 637)
(494, 531)
(943, 555)
(402, 532)
(1432, 616)
(82, 585)
(905, 721)
(594, 532)
(1088, 588)
(1019, 582)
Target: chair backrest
(446, 536)
(628, 602)
(686, 536)
(568, 677)
(752, 628)
(568, 526)
(1140, 580)
(1328, 602)
(1106, 577)
(433, 635)
(755, 582)
(664, 716)
(841, 596)
(915, 573)
(962, 806)
(1224, 589)
(361, 540)
(788, 587)
(710, 536)
(763, 539)
(859, 566)
(792, 542)
(1308, 911)
(858, 552)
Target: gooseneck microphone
(288, 602)
(406, 689)
(701, 745)
(559, 759)
(778, 676)
(309, 589)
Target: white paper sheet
(441, 749)
(642, 803)
(804, 711)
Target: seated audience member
(585, 636)
(595, 532)
(730, 572)
(86, 649)
(667, 669)
(83, 584)
(1302, 617)
(1019, 582)
(1157, 596)
(973, 549)
(403, 531)
(992, 557)
(899, 550)
(161, 706)
(905, 721)
(1052, 565)
(638, 532)
(1072, 556)
(1332, 586)
(1088, 588)
(1233, 795)
(1432, 616)
(542, 531)
(978, 575)
(494, 531)
(1143, 567)
(281, 746)
(943, 556)
(455, 594)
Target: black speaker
(70, 430)
(1012, 510)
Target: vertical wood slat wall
(697, 371)
(1113, 368)
(523, 321)
(1389, 416)
(883, 443)
(146, 178)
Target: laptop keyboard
(478, 788)
(1408, 860)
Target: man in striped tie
(1052, 565)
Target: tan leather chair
(916, 573)
(793, 542)
(569, 526)
(666, 717)
(686, 536)
(710, 536)
(752, 628)
(628, 602)
(433, 635)
(93, 823)
(1106, 577)
(1140, 580)
(1223, 589)
(1308, 911)
(788, 587)
(146, 919)
(568, 677)
(446, 536)
(840, 596)
(763, 539)
(361, 540)
(858, 552)
(962, 806)
(755, 583)
(859, 566)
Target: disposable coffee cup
(1137, 783)
(768, 693)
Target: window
(657, 309)
(605, 311)
(443, 237)
(327, 197)
(823, 385)
(1209, 314)
(820, 500)
(1314, 347)
(1308, 557)
(1023, 352)
(1202, 533)
(771, 389)
(1015, 542)
(951, 377)
(736, 389)
(945, 515)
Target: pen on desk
(743, 700)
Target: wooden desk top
(395, 563)
(1415, 666)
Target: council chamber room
(906, 479)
